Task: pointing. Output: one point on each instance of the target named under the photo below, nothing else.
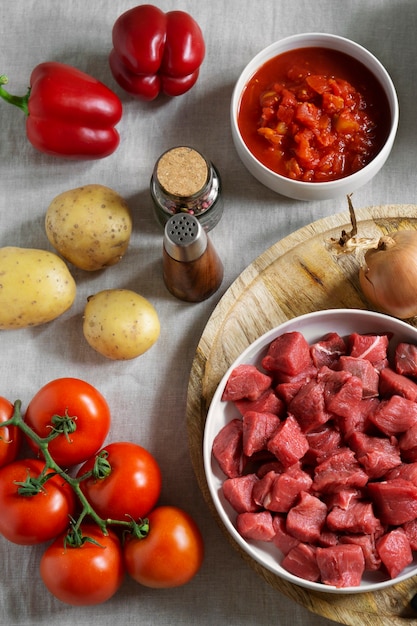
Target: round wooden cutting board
(306, 271)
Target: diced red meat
(410, 529)
(358, 420)
(338, 472)
(322, 443)
(287, 391)
(328, 350)
(256, 526)
(405, 359)
(246, 381)
(371, 347)
(268, 402)
(328, 538)
(395, 552)
(279, 492)
(391, 383)
(228, 448)
(408, 444)
(238, 492)
(303, 377)
(257, 429)
(301, 561)
(395, 415)
(342, 565)
(357, 518)
(288, 443)
(363, 369)
(342, 391)
(395, 500)
(288, 354)
(269, 466)
(282, 539)
(377, 455)
(306, 519)
(367, 543)
(344, 498)
(308, 406)
(406, 471)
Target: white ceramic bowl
(314, 190)
(313, 326)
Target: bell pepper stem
(20, 101)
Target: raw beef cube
(328, 538)
(342, 565)
(342, 391)
(257, 429)
(269, 466)
(288, 443)
(371, 347)
(268, 402)
(395, 415)
(261, 492)
(306, 519)
(288, 354)
(407, 471)
(287, 391)
(358, 420)
(328, 350)
(246, 381)
(255, 526)
(286, 488)
(322, 443)
(377, 455)
(391, 383)
(301, 561)
(344, 498)
(395, 552)
(395, 501)
(303, 377)
(308, 407)
(408, 444)
(357, 518)
(238, 492)
(283, 540)
(405, 359)
(410, 529)
(228, 448)
(367, 543)
(338, 472)
(363, 369)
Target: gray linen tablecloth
(148, 395)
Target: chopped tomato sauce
(314, 115)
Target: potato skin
(36, 287)
(120, 324)
(89, 226)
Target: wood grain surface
(306, 271)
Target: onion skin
(388, 278)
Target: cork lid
(182, 172)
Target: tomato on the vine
(132, 487)
(29, 519)
(85, 574)
(170, 554)
(10, 436)
(88, 411)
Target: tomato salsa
(314, 114)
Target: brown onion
(389, 277)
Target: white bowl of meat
(310, 451)
(314, 116)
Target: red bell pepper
(69, 113)
(156, 52)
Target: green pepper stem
(21, 102)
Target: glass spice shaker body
(192, 269)
(184, 181)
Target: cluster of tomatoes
(96, 508)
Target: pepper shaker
(192, 269)
(184, 181)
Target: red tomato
(131, 489)
(78, 400)
(10, 436)
(170, 555)
(87, 574)
(31, 519)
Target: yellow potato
(35, 287)
(120, 324)
(89, 226)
